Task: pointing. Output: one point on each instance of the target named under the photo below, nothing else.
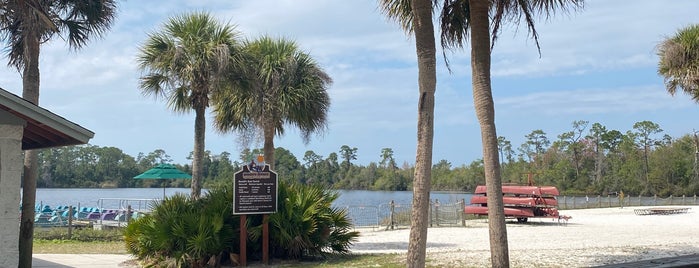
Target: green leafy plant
(306, 224)
(183, 232)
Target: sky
(597, 65)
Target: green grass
(118, 247)
(82, 241)
(350, 260)
(77, 247)
(88, 241)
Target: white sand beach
(592, 237)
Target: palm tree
(281, 85)
(679, 61)
(185, 63)
(416, 17)
(26, 24)
(458, 18)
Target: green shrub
(183, 232)
(306, 224)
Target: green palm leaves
(307, 224)
(679, 61)
(185, 63)
(280, 85)
(76, 21)
(184, 232)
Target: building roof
(43, 128)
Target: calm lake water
(91, 197)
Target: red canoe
(518, 200)
(509, 211)
(522, 190)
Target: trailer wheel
(522, 220)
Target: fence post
(671, 200)
(436, 211)
(587, 201)
(128, 214)
(393, 207)
(655, 200)
(565, 204)
(574, 202)
(684, 200)
(70, 222)
(640, 202)
(429, 213)
(463, 212)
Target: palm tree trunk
(30, 92)
(199, 145)
(485, 111)
(427, 81)
(268, 148)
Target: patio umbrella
(163, 172)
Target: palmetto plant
(306, 224)
(184, 232)
(679, 61)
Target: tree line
(588, 159)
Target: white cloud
(372, 62)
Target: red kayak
(521, 202)
(518, 200)
(522, 190)
(509, 211)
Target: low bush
(306, 224)
(183, 232)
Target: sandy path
(592, 237)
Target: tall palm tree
(458, 18)
(416, 17)
(185, 63)
(26, 24)
(281, 85)
(679, 61)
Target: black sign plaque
(255, 191)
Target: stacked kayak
(520, 202)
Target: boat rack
(659, 211)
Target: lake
(89, 197)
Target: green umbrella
(163, 172)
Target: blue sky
(598, 65)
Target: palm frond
(192, 53)
(679, 62)
(282, 85)
(514, 11)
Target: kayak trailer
(521, 202)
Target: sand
(591, 237)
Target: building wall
(10, 177)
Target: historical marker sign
(255, 191)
